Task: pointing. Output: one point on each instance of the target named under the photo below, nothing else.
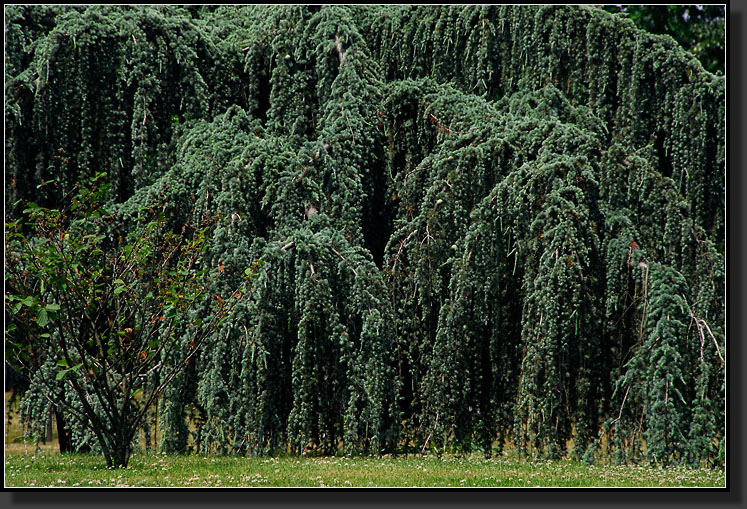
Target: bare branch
(701, 324)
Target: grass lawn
(81, 470)
(27, 466)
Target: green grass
(81, 470)
(29, 466)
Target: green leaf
(120, 286)
(52, 307)
(30, 207)
(41, 318)
(62, 373)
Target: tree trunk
(118, 455)
(121, 456)
(63, 434)
(121, 448)
(48, 431)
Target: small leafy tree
(108, 322)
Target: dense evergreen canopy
(473, 225)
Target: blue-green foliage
(468, 226)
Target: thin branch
(428, 235)
(343, 259)
(429, 434)
(645, 300)
(701, 324)
(619, 415)
(401, 246)
(350, 127)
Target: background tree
(700, 29)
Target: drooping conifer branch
(471, 225)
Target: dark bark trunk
(121, 447)
(117, 456)
(121, 456)
(63, 434)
